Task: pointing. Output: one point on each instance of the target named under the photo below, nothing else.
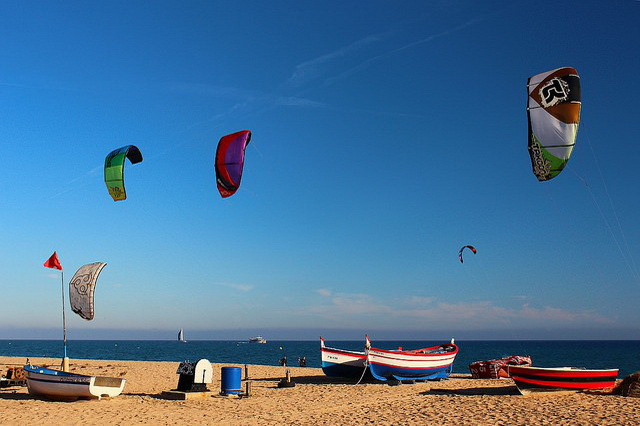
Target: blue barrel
(231, 378)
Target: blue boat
(430, 363)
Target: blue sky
(384, 138)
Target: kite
(553, 110)
(81, 288)
(114, 169)
(472, 248)
(230, 161)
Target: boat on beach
(429, 363)
(257, 339)
(60, 385)
(342, 363)
(568, 379)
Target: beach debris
(16, 373)
(629, 386)
(553, 112)
(16, 376)
(114, 170)
(286, 382)
(229, 161)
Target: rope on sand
(366, 365)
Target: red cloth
(53, 262)
(496, 368)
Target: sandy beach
(315, 399)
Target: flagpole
(65, 360)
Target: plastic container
(231, 380)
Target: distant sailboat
(181, 336)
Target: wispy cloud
(365, 64)
(521, 297)
(420, 300)
(243, 97)
(312, 74)
(71, 185)
(324, 292)
(242, 101)
(345, 304)
(238, 286)
(314, 68)
(426, 310)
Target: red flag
(53, 262)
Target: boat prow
(343, 363)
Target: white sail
(181, 336)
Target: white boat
(181, 336)
(60, 385)
(343, 363)
(258, 339)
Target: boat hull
(60, 385)
(424, 364)
(343, 363)
(562, 379)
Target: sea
(594, 354)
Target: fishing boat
(430, 363)
(343, 363)
(60, 385)
(567, 379)
(257, 339)
(181, 338)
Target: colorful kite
(230, 161)
(472, 248)
(553, 110)
(114, 169)
(81, 289)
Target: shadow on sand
(14, 394)
(503, 390)
(324, 380)
(317, 380)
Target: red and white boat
(431, 363)
(343, 363)
(567, 379)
